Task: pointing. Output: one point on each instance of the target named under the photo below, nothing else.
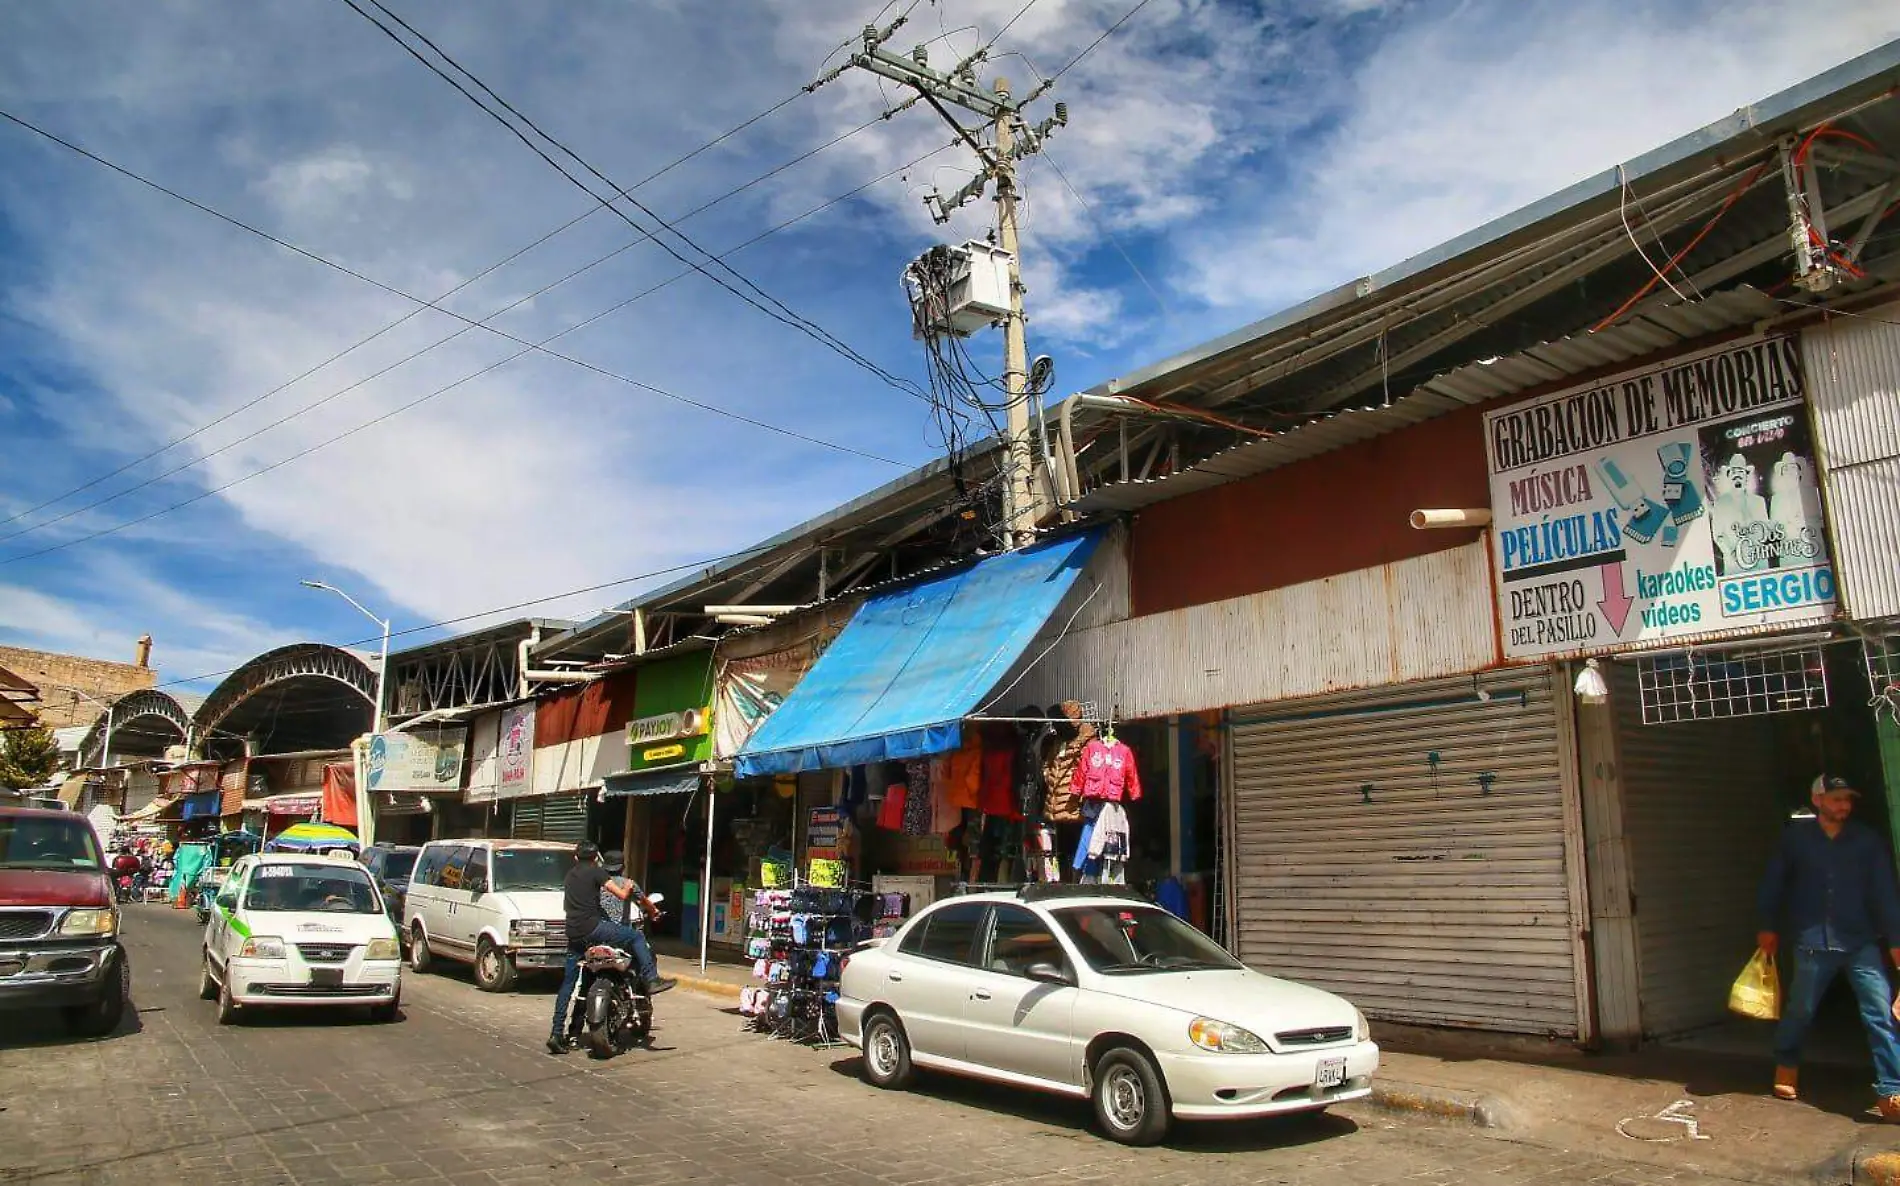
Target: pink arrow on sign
(1615, 606)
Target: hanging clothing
(963, 770)
(1108, 835)
(943, 816)
(1061, 804)
(918, 813)
(998, 796)
(1107, 771)
(890, 813)
(1030, 789)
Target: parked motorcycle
(122, 888)
(619, 1013)
(207, 888)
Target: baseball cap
(613, 860)
(1829, 783)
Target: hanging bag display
(1757, 991)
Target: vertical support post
(705, 871)
(1177, 801)
(1888, 731)
(1020, 510)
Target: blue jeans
(1814, 970)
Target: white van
(495, 904)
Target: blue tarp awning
(899, 679)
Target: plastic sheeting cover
(915, 661)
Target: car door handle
(897, 978)
(981, 994)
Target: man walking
(582, 890)
(1831, 882)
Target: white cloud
(1455, 121)
(316, 184)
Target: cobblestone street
(460, 1091)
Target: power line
(1101, 225)
(1106, 34)
(772, 306)
(314, 405)
(394, 412)
(481, 275)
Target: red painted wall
(589, 710)
(1327, 515)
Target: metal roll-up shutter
(564, 818)
(1405, 847)
(526, 823)
(1700, 816)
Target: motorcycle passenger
(586, 885)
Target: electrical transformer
(958, 290)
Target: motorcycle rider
(125, 868)
(586, 885)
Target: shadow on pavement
(1234, 1136)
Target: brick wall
(54, 675)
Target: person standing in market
(1830, 887)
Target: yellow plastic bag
(1757, 991)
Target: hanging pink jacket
(1107, 771)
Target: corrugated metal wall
(1853, 369)
(1372, 860)
(1700, 816)
(553, 817)
(1413, 619)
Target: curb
(708, 987)
(1442, 1103)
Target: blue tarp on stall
(899, 679)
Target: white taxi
(291, 929)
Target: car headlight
(90, 922)
(1361, 1029)
(1224, 1038)
(262, 947)
(381, 949)
(530, 926)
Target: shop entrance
(1704, 804)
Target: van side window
(452, 869)
(475, 873)
(427, 866)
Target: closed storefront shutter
(564, 818)
(1701, 817)
(1405, 847)
(529, 813)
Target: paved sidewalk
(1688, 1110)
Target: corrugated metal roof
(1477, 383)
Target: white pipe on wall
(1425, 520)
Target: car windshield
(398, 865)
(311, 889)
(530, 868)
(1126, 940)
(41, 842)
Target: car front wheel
(227, 1008)
(494, 971)
(207, 984)
(102, 1017)
(1130, 1102)
(886, 1054)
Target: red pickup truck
(59, 927)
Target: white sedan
(1078, 991)
(300, 930)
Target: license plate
(1331, 1073)
(326, 977)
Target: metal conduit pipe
(1065, 428)
(545, 677)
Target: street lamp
(382, 668)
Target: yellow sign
(828, 874)
(662, 752)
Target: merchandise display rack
(798, 939)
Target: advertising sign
(514, 759)
(427, 760)
(671, 725)
(1664, 504)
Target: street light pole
(382, 666)
(365, 821)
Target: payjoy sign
(1667, 503)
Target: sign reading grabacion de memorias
(1666, 503)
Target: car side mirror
(1046, 973)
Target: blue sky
(1245, 155)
